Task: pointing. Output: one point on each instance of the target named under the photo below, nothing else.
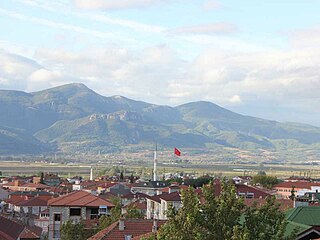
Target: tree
(265, 223)
(73, 231)
(131, 178)
(41, 178)
(105, 220)
(293, 195)
(121, 176)
(187, 222)
(223, 217)
(222, 213)
(265, 180)
(133, 212)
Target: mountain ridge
(73, 118)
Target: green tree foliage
(263, 223)
(73, 231)
(221, 213)
(293, 195)
(199, 182)
(187, 222)
(265, 180)
(105, 221)
(133, 212)
(222, 217)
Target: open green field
(217, 169)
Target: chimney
(155, 225)
(121, 224)
(16, 183)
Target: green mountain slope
(76, 119)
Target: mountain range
(74, 119)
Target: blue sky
(255, 57)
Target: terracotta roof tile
(9, 230)
(297, 184)
(136, 227)
(36, 201)
(79, 198)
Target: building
(128, 229)
(18, 185)
(306, 221)
(150, 188)
(158, 205)
(300, 188)
(76, 206)
(11, 230)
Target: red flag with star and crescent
(177, 152)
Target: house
(128, 229)
(32, 206)
(158, 205)
(246, 191)
(52, 180)
(305, 220)
(76, 206)
(150, 188)
(284, 189)
(140, 206)
(18, 185)
(11, 230)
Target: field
(217, 169)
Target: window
(57, 217)
(128, 237)
(75, 211)
(102, 210)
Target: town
(128, 207)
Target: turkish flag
(177, 152)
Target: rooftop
(79, 199)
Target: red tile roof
(138, 205)
(31, 232)
(9, 230)
(258, 193)
(79, 199)
(297, 184)
(36, 201)
(136, 227)
(171, 197)
(284, 204)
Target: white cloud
(209, 28)
(158, 74)
(114, 5)
(235, 99)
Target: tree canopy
(224, 217)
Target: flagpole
(155, 164)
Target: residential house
(305, 221)
(284, 189)
(150, 188)
(128, 229)
(12, 230)
(18, 185)
(157, 206)
(139, 206)
(76, 206)
(246, 191)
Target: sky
(258, 58)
